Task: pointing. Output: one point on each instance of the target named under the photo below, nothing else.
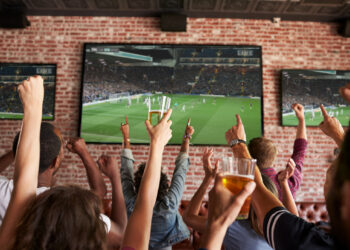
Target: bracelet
(236, 141)
(128, 140)
(187, 136)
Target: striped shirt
(285, 231)
(294, 181)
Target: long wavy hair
(65, 217)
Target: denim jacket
(167, 228)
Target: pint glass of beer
(157, 107)
(237, 172)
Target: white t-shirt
(6, 188)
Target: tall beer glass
(157, 107)
(237, 172)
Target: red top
(294, 181)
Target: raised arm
(6, 160)
(96, 182)
(127, 162)
(191, 216)
(299, 150)
(31, 92)
(331, 127)
(124, 127)
(173, 197)
(299, 112)
(109, 167)
(138, 230)
(262, 199)
(287, 197)
(187, 137)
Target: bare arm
(138, 230)
(187, 137)
(262, 199)
(124, 127)
(31, 92)
(6, 160)
(299, 112)
(332, 127)
(96, 182)
(191, 216)
(288, 200)
(109, 167)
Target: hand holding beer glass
(158, 108)
(237, 172)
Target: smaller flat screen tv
(12, 74)
(312, 88)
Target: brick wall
(292, 45)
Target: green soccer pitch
(17, 116)
(210, 118)
(341, 113)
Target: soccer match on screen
(11, 75)
(207, 84)
(311, 88)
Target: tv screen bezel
(166, 44)
(281, 93)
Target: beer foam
(250, 176)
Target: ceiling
(303, 10)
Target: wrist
(237, 141)
(114, 177)
(157, 145)
(208, 177)
(187, 136)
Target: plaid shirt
(294, 181)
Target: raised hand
(76, 145)
(31, 93)
(124, 127)
(299, 110)
(108, 165)
(208, 169)
(287, 172)
(236, 132)
(189, 129)
(161, 133)
(331, 126)
(345, 92)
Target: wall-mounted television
(209, 84)
(12, 74)
(312, 88)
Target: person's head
(63, 217)
(163, 183)
(51, 150)
(253, 219)
(338, 197)
(263, 150)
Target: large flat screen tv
(209, 84)
(12, 74)
(312, 88)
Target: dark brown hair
(163, 182)
(334, 198)
(65, 217)
(263, 150)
